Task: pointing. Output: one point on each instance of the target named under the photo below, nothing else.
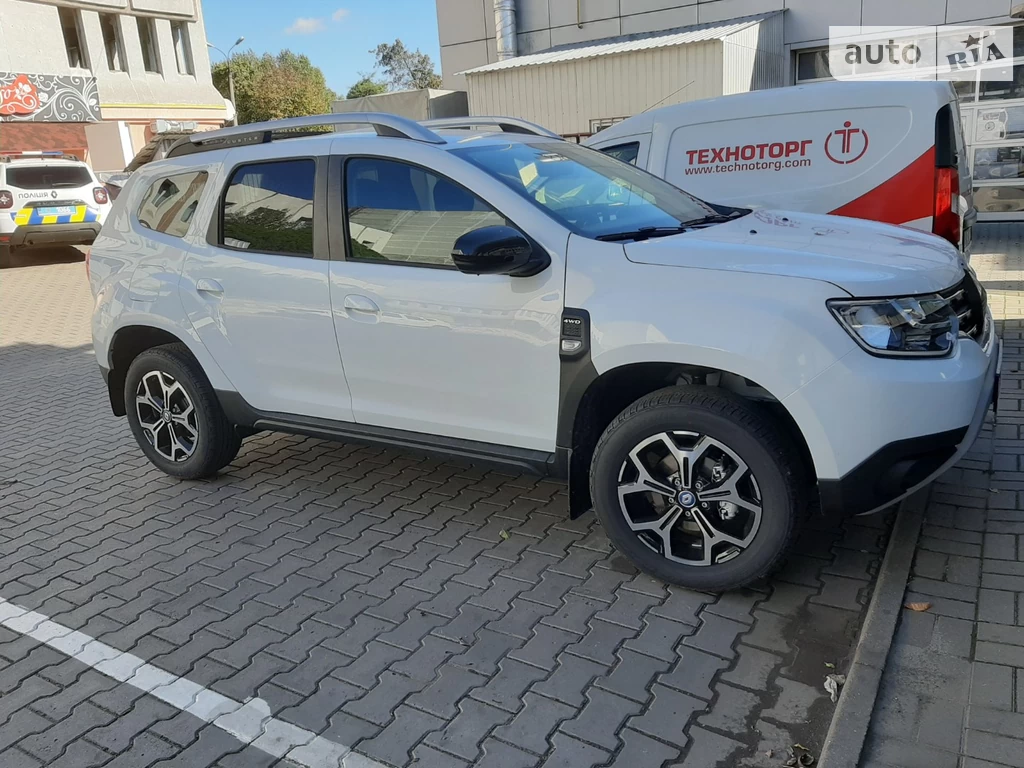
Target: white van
(887, 151)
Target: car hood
(864, 258)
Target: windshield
(592, 194)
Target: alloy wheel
(167, 416)
(689, 497)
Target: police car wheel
(5, 256)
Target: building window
(147, 40)
(182, 47)
(599, 124)
(812, 65)
(112, 43)
(71, 26)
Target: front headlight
(919, 326)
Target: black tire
(5, 256)
(217, 443)
(752, 434)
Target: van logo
(847, 144)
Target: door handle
(207, 285)
(356, 303)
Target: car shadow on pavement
(43, 256)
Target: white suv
(480, 288)
(48, 199)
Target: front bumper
(902, 467)
(80, 233)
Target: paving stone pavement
(425, 612)
(952, 694)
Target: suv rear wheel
(698, 488)
(174, 414)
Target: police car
(48, 198)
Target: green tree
(366, 86)
(269, 87)
(406, 70)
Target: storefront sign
(48, 98)
(945, 53)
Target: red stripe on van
(907, 196)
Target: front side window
(269, 207)
(182, 48)
(402, 213)
(627, 153)
(170, 203)
(71, 27)
(587, 191)
(112, 44)
(147, 40)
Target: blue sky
(337, 36)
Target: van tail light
(946, 221)
(6, 200)
(946, 211)
(99, 194)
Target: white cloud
(340, 14)
(305, 26)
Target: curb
(852, 716)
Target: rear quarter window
(48, 176)
(170, 203)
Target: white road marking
(250, 722)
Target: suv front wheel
(697, 487)
(174, 414)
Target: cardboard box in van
(886, 151)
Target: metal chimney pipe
(505, 29)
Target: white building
(578, 65)
(94, 76)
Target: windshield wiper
(643, 233)
(716, 218)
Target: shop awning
(32, 136)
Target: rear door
(256, 287)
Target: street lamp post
(231, 75)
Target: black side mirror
(499, 250)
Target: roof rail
(292, 127)
(506, 124)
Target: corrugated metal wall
(753, 58)
(565, 97)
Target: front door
(427, 348)
(259, 295)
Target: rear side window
(171, 202)
(268, 207)
(627, 153)
(48, 176)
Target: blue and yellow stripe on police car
(30, 216)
